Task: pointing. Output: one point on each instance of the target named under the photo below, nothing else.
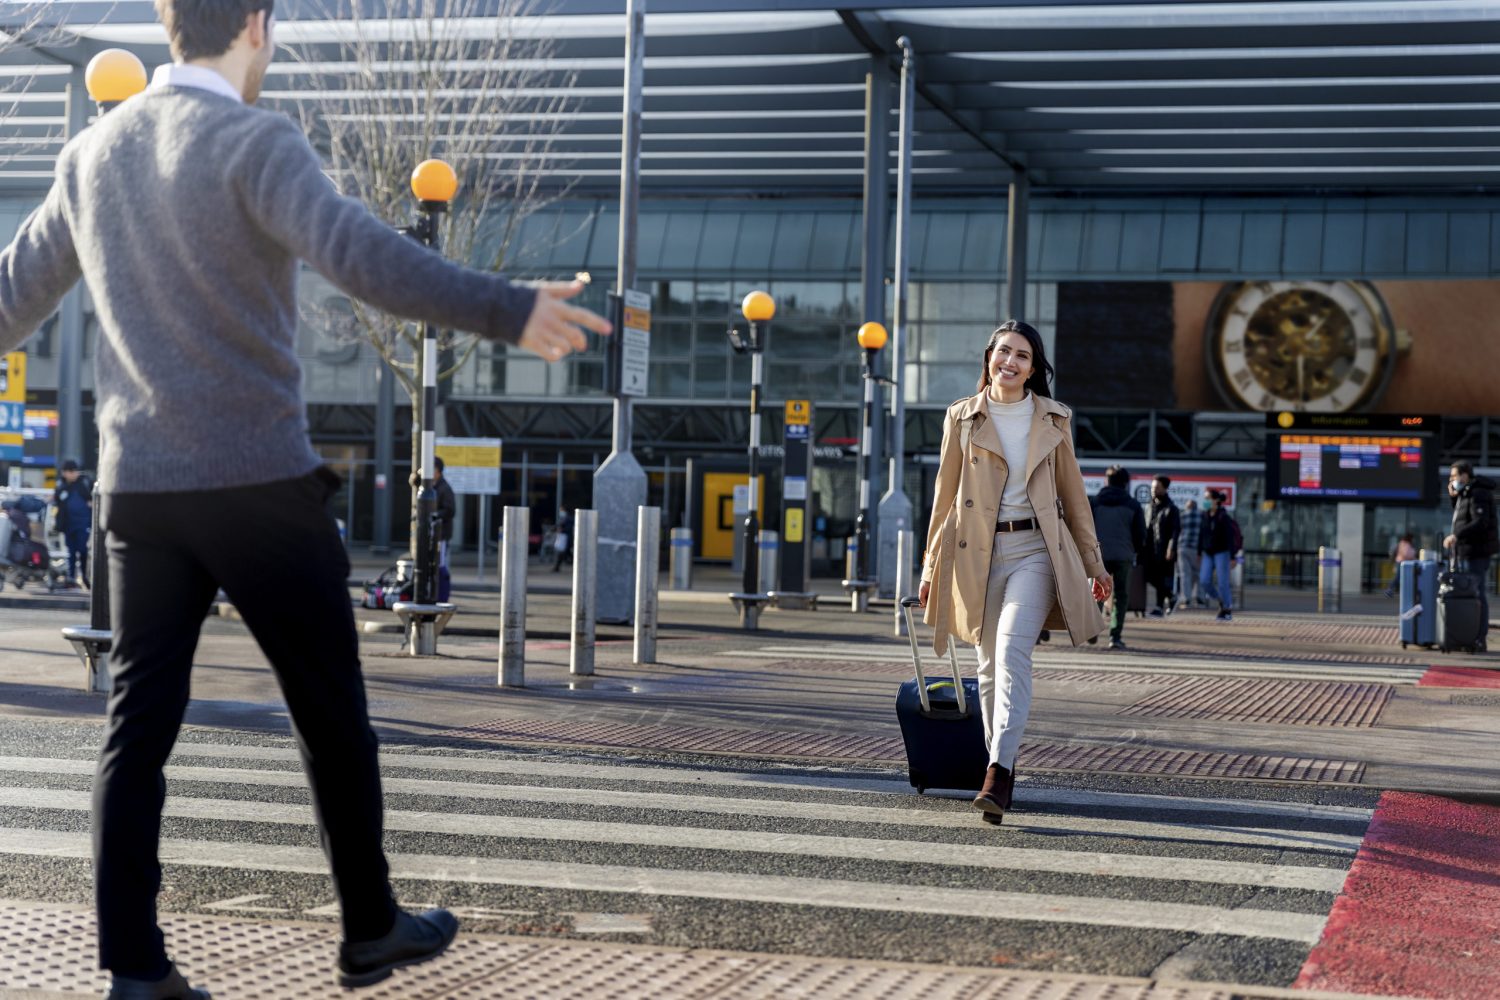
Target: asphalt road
(1221, 881)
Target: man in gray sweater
(186, 211)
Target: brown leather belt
(1026, 525)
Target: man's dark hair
(1117, 475)
(439, 463)
(202, 29)
(1164, 480)
(1464, 468)
(69, 465)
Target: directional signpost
(635, 343)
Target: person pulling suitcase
(1475, 536)
(1010, 545)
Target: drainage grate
(1295, 703)
(1126, 759)
(759, 742)
(292, 961)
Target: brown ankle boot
(991, 799)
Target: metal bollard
(1330, 579)
(769, 545)
(904, 542)
(647, 554)
(585, 607)
(682, 558)
(513, 559)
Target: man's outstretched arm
(36, 271)
(367, 258)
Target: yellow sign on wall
(13, 377)
(798, 411)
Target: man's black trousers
(275, 550)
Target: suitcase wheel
(918, 781)
(1403, 645)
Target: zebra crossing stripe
(748, 841)
(1030, 795)
(911, 816)
(1302, 928)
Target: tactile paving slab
(1128, 759)
(1123, 758)
(765, 742)
(1277, 702)
(294, 961)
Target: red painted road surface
(1460, 677)
(1420, 911)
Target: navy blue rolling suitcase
(940, 723)
(1459, 623)
(1418, 615)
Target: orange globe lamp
(872, 336)
(114, 75)
(434, 180)
(758, 307)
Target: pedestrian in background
(1475, 537)
(1221, 542)
(1164, 526)
(73, 496)
(447, 510)
(1405, 550)
(1010, 546)
(1188, 555)
(186, 211)
(1120, 524)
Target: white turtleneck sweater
(1013, 422)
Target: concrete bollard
(769, 544)
(647, 552)
(513, 560)
(904, 541)
(682, 559)
(585, 606)
(1330, 580)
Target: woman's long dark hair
(1041, 369)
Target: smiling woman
(1011, 546)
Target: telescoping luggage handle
(907, 603)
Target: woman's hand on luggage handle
(922, 593)
(1103, 587)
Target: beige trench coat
(971, 477)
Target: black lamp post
(758, 308)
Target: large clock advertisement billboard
(1281, 345)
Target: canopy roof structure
(1350, 96)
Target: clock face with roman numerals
(1303, 346)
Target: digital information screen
(1361, 463)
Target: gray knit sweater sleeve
(298, 207)
(36, 270)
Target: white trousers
(1021, 593)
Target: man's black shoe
(414, 939)
(173, 987)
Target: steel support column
(877, 225)
(70, 434)
(1015, 247)
(895, 513)
(385, 465)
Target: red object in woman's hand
(1103, 587)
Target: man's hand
(553, 330)
(1450, 541)
(1103, 587)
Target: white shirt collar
(180, 75)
